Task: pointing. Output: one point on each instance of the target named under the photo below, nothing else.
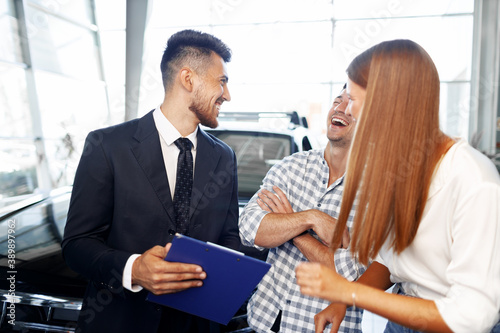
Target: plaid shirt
(303, 177)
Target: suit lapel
(207, 158)
(148, 153)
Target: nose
(348, 109)
(341, 107)
(226, 95)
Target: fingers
(335, 313)
(325, 317)
(152, 272)
(320, 323)
(173, 286)
(174, 277)
(270, 200)
(336, 324)
(274, 203)
(307, 275)
(323, 225)
(263, 205)
(158, 251)
(184, 271)
(318, 280)
(167, 247)
(283, 199)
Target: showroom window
(66, 75)
(52, 92)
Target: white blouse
(455, 256)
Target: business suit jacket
(121, 205)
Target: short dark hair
(190, 47)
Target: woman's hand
(320, 281)
(333, 314)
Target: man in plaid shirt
(294, 216)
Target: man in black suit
(122, 214)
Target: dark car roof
(36, 227)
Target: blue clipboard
(231, 278)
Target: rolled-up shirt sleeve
(347, 265)
(252, 215)
(250, 221)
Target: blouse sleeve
(472, 303)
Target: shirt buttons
(319, 205)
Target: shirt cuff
(127, 275)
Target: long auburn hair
(395, 149)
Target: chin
(212, 123)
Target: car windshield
(256, 153)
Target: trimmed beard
(340, 142)
(203, 114)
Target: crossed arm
(284, 224)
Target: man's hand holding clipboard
(150, 273)
(230, 279)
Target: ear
(186, 76)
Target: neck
(179, 115)
(336, 158)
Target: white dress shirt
(168, 134)
(455, 256)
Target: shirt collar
(168, 131)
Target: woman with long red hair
(428, 206)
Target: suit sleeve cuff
(127, 275)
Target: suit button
(171, 232)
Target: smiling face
(356, 95)
(211, 92)
(340, 126)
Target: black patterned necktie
(183, 184)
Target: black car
(40, 293)
(46, 294)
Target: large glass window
(15, 118)
(76, 10)
(60, 46)
(68, 114)
(10, 49)
(287, 56)
(51, 92)
(111, 19)
(18, 158)
(293, 55)
(447, 39)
